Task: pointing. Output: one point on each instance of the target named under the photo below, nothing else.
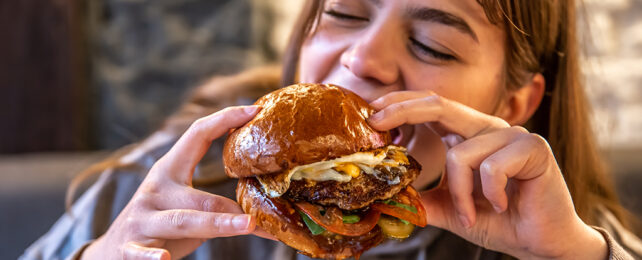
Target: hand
(502, 189)
(167, 218)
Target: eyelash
(422, 48)
(430, 51)
(343, 16)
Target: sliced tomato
(332, 220)
(410, 197)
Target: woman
(464, 74)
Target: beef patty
(358, 192)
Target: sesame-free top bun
(298, 125)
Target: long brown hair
(540, 38)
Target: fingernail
(251, 109)
(158, 254)
(375, 117)
(464, 221)
(241, 222)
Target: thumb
(439, 209)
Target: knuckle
(499, 122)
(430, 92)
(219, 223)
(196, 128)
(456, 155)
(435, 100)
(385, 99)
(131, 221)
(538, 140)
(394, 110)
(176, 220)
(541, 145)
(153, 187)
(208, 205)
(398, 107)
(198, 124)
(490, 167)
(519, 129)
(453, 155)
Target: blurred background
(79, 79)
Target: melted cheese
(349, 169)
(344, 168)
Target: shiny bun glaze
(298, 125)
(278, 217)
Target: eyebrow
(442, 17)
(376, 2)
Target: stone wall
(147, 54)
(612, 33)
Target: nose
(372, 56)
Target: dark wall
(43, 101)
(78, 75)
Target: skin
(441, 86)
(167, 218)
(502, 188)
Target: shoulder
(251, 84)
(220, 92)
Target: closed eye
(343, 16)
(430, 51)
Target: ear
(522, 103)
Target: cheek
(469, 86)
(319, 56)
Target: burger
(323, 181)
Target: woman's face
(374, 47)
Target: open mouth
(401, 135)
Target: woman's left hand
(503, 189)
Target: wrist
(590, 244)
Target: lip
(401, 135)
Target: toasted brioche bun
(299, 125)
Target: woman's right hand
(167, 218)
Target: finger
(182, 223)
(135, 251)
(452, 116)
(183, 197)
(463, 159)
(516, 160)
(398, 96)
(182, 158)
(264, 234)
(438, 206)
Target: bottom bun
(278, 217)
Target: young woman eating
(495, 83)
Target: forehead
(471, 9)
